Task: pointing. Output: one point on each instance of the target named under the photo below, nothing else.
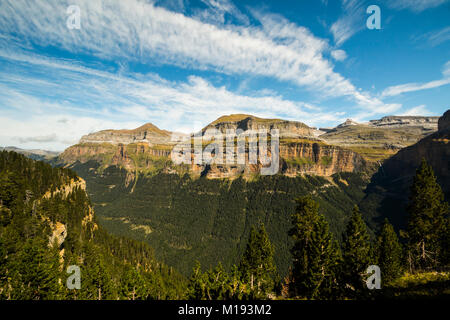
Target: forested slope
(47, 223)
(209, 220)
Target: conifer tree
(238, 290)
(445, 254)
(96, 283)
(257, 267)
(315, 253)
(389, 253)
(197, 284)
(217, 287)
(427, 219)
(356, 251)
(132, 285)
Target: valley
(202, 212)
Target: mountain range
(189, 212)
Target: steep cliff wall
(287, 129)
(300, 151)
(148, 133)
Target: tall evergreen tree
(389, 253)
(132, 285)
(427, 219)
(315, 253)
(197, 284)
(96, 283)
(356, 251)
(257, 267)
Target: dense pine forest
(32, 203)
(209, 220)
(47, 224)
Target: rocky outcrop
(143, 149)
(348, 122)
(319, 159)
(58, 235)
(287, 129)
(295, 158)
(67, 188)
(147, 133)
(426, 123)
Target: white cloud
(434, 38)
(138, 31)
(339, 55)
(351, 22)
(84, 100)
(217, 10)
(417, 111)
(414, 5)
(410, 87)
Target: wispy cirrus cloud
(435, 38)
(218, 10)
(351, 21)
(353, 18)
(414, 5)
(420, 110)
(413, 86)
(138, 31)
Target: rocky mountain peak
(348, 122)
(148, 133)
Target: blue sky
(181, 64)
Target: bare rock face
(147, 133)
(59, 234)
(287, 129)
(348, 122)
(295, 158)
(147, 148)
(444, 122)
(427, 123)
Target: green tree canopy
(389, 253)
(257, 267)
(356, 251)
(315, 254)
(427, 219)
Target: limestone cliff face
(287, 129)
(137, 150)
(295, 158)
(58, 230)
(320, 159)
(427, 123)
(147, 133)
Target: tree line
(324, 269)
